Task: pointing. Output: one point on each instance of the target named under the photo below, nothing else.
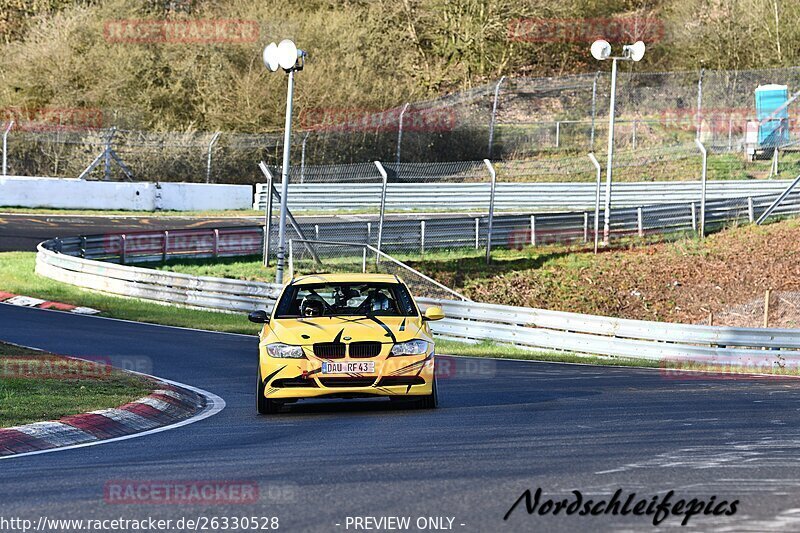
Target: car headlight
(415, 347)
(285, 351)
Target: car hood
(306, 331)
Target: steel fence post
(303, 158)
(594, 109)
(316, 232)
(477, 232)
(558, 133)
(216, 242)
(493, 175)
(165, 250)
(369, 232)
(364, 260)
(422, 237)
(107, 154)
(598, 170)
(384, 186)
(5, 147)
(700, 102)
(400, 131)
(750, 212)
(703, 188)
(291, 260)
(694, 216)
(123, 248)
(533, 230)
(267, 212)
(210, 147)
(494, 115)
(639, 221)
(730, 134)
(585, 226)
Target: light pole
(286, 56)
(601, 51)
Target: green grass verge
(17, 276)
(35, 386)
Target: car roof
(345, 278)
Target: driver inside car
(379, 301)
(312, 305)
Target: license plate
(348, 367)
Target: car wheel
(264, 405)
(431, 401)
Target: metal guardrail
(469, 321)
(439, 232)
(509, 196)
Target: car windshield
(351, 299)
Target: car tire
(431, 401)
(264, 405)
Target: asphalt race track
(503, 426)
(22, 232)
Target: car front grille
(362, 350)
(400, 380)
(329, 350)
(294, 382)
(347, 382)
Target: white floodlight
(271, 57)
(635, 51)
(284, 55)
(601, 50)
(287, 54)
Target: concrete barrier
(67, 193)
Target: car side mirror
(259, 317)
(433, 313)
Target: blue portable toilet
(770, 98)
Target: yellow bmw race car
(345, 336)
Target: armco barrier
(441, 232)
(469, 321)
(509, 196)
